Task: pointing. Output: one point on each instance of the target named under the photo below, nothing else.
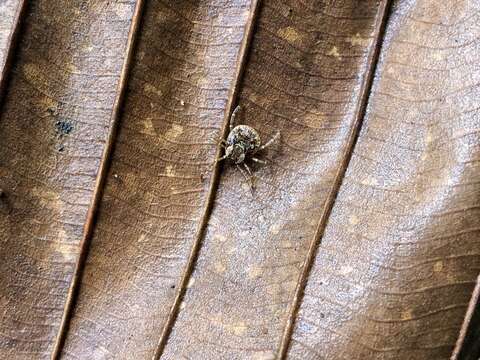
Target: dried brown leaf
(121, 239)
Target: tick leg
(252, 177)
(258, 161)
(233, 117)
(270, 142)
(243, 173)
(221, 158)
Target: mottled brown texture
(53, 124)
(360, 241)
(399, 258)
(303, 78)
(159, 178)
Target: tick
(242, 143)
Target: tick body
(242, 143)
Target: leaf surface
(308, 68)
(400, 255)
(158, 184)
(121, 238)
(54, 121)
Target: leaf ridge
(215, 178)
(100, 182)
(466, 346)
(329, 203)
(6, 64)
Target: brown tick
(242, 143)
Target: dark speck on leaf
(63, 127)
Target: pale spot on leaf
(264, 355)
(428, 138)
(254, 272)
(313, 120)
(438, 266)
(354, 220)
(358, 40)
(334, 52)
(220, 267)
(219, 237)
(370, 181)
(150, 89)
(174, 131)
(345, 270)
(406, 315)
(72, 68)
(169, 171)
(275, 229)
(289, 34)
(238, 328)
(88, 48)
(437, 56)
(286, 244)
(148, 128)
